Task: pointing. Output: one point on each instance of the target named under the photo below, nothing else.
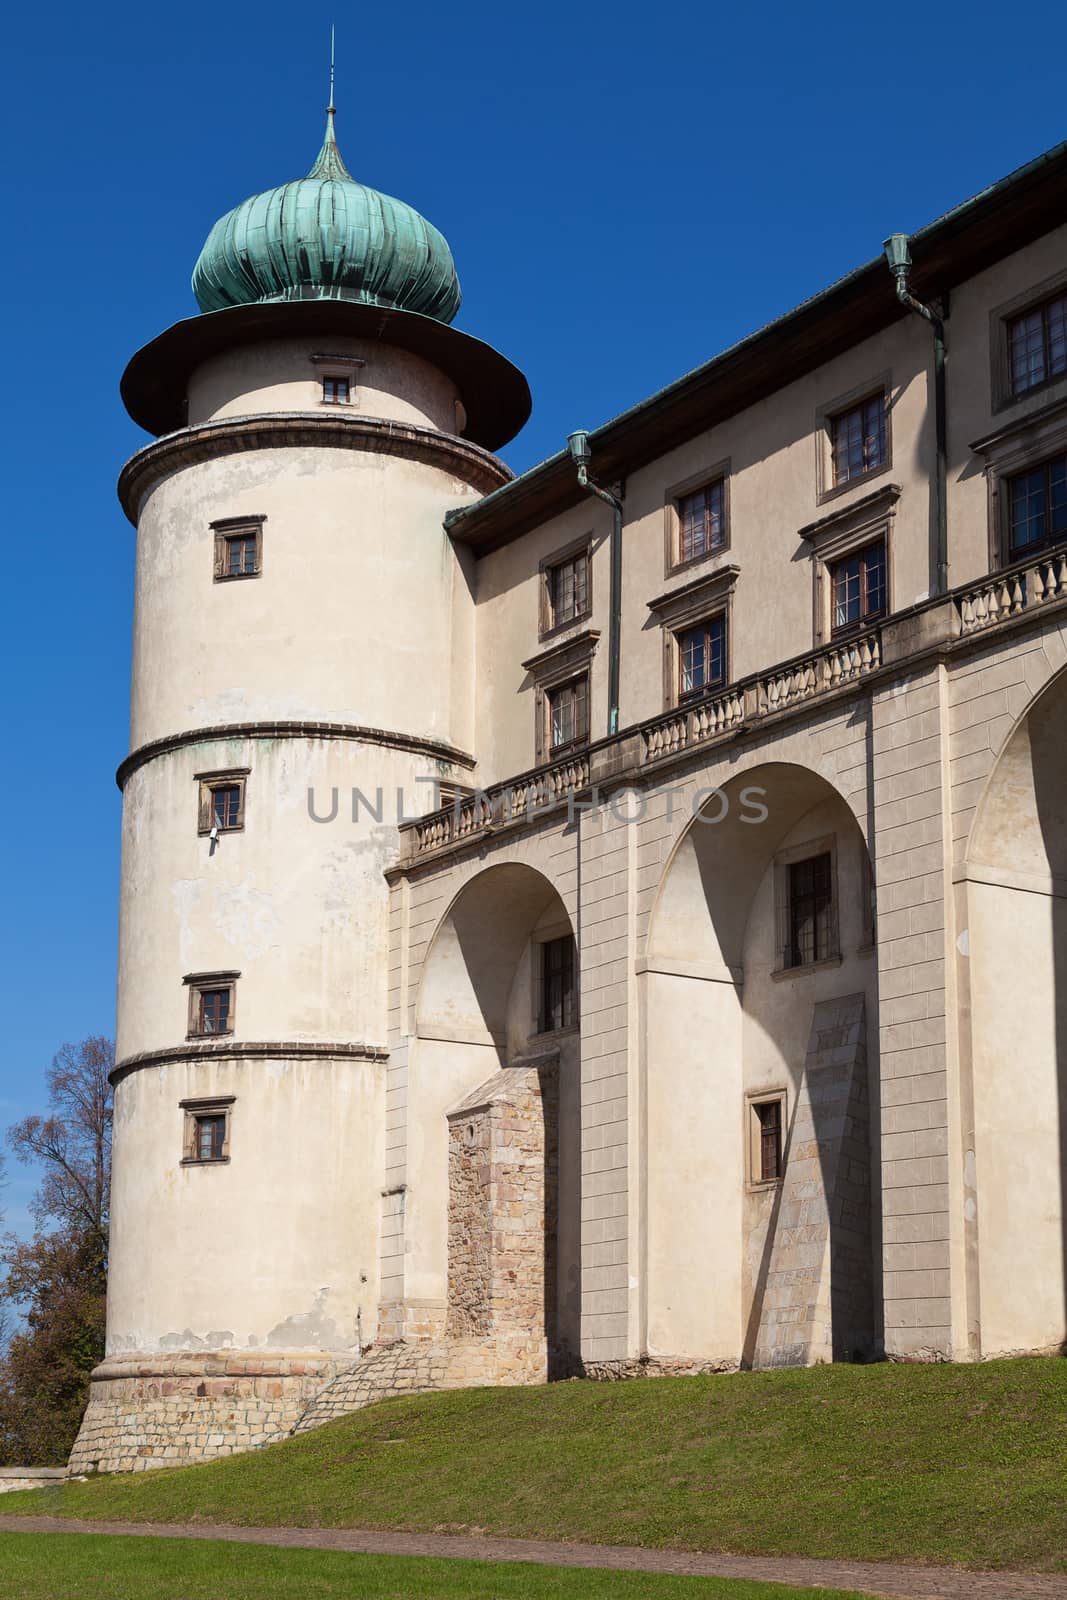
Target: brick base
(169, 1410)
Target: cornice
(288, 430)
(247, 1050)
(437, 748)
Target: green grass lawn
(71, 1566)
(954, 1464)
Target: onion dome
(327, 237)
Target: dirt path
(873, 1577)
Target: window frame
(1013, 449)
(555, 751)
(200, 984)
(333, 367)
(195, 1111)
(784, 861)
(866, 619)
(690, 697)
(227, 529)
(208, 783)
(543, 944)
(1051, 541)
(571, 657)
(707, 478)
(755, 1101)
(840, 535)
(1038, 295)
(826, 487)
(548, 623)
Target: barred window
(812, 935)
(769, 1117)
(1037, 345)
(702, 521)
(568, 589)
(1037, 506)
(859, 588)
(568, 713)
(701, 658)
(858, 439)
(559, 996)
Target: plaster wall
(280, 375)
(274, 1249)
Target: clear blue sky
(626, 190)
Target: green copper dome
(327, 237)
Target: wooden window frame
(783, 861)
(232, 778)
(1002, 395)
(840, 535)
(1036, 547)
(201, 983)
(825, 418)
(866, 619)
(236, 528)
(690, 697)
(194, 1111)
(543, 944)
(548, 626)
(672, 518)
(755, 1101)
(696, 602)
(557, 752)
(570, 658)
(1016, 447)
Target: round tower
(303, 657)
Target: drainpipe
(578, 444)
(898, 256)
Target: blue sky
(626, 190)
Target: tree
(59, 1278)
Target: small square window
(207, 1131)
(1037, 507)
(858, 440)
(336, 391)
(766, 1139)
(222, 803)
(858, 588)
(812, 929)
(568, 714)
(1037, 345)
(559, 995)
(211, 1004)
(238, 549)
(701, 521)
(568, 589)
(701, 658)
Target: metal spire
(328, 163)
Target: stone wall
(12, 1478)
(168, 1411)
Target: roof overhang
(1002, 219)
(495, 394)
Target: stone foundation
(12, 1478)
(170, 1410)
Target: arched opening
(1013, 960)
(761, 1006)
(495, 1113)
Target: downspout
(578, 444)
(898, 256)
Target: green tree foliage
(58, 1279)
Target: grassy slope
(961, 1464)
(48, 1566)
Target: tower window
(1037, 345)
(858, 439)
(211, 1004)
(559, 996)
(222, 802)
(336, 391)
(568, 714)
(238, 548)
(207, 1130)
(859, 588)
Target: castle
(603, 921)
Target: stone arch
(1012, 970)
(479, 1045)
(737, 1270)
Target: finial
(328, 163)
